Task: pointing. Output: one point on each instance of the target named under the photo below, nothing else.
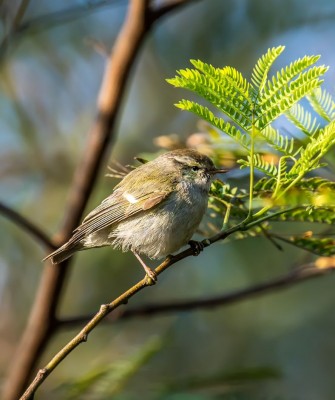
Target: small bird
(154, 210)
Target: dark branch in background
(42, 320)
(52, 19)
(299, 275)
(21, 10)
(27, 226)
(165, 8)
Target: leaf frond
(204, 113)
(279, 142)
(278, 101)
(260, 72)
(315, 183)
(325, 215)
(323, 103)
(224, 75)
(302, 119)
(225, 94)
(312, 153)
(321, 246)
(259, 162)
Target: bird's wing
(129, 198)
(117, 208)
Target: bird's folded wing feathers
(115, 209)
(130, 197)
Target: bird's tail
(63, 252)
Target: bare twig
(45, 21)
(81, 337)
(42, 321)
(167, 7)
(298, 275)
(26, 225)
(55, 18)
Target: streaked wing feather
(130, 197)
(115, 209)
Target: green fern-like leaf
(302, 119)
(278, 102)
(253, 107)
(279, 142)
(225, 75)
(221, 124)
(226, 96)
(323, 104)
(321, 246)
(264, 186)
(268, 168)
(325, 215)
(262, 68)
(315, 184)
(279, 81)
(318, 146)
(306, 191)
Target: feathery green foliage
(323, 104)
(246, 112)
(303, 119)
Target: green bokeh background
(49, 80)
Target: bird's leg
(150, 273)
(196, 247)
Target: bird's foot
(196, 247)
(150, 275)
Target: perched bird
(154, 210)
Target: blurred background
(277, 346)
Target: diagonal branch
(20, 12)
(167, 7)
(27, 225)
(55, 18)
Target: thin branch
(167, 7)
(55, 18)
(18, 17)
(298, 275)
(48, 20)
(20, 13)
(27, 226)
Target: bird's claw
(151, 276)
(196, 247)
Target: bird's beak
(218, 171)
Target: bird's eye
(195, 168)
